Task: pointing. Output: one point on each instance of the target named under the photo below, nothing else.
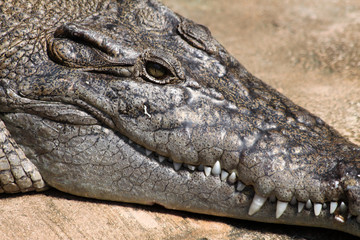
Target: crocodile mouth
(77, 114)
(338, 209)
(253, 203)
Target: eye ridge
(156, 70)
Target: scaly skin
(98, 93)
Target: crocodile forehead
(135, 103)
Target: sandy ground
(308, 50)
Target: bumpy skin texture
(97, 92)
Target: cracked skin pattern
(76, 107)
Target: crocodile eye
(160, 68)
(156, 70)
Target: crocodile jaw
(131, 174)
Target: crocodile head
(136, 103)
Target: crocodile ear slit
(78, 47)
(83, 35)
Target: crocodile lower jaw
(338, 209)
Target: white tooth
(191, 167)
(240, 186)
(293, 201)
(333, 206)
(224, 175)
(232, 177)
(216, 170)
(161, 158)
(349, 216)
(177, 166)
(207, 171)
(324, 206)
(308, 204)
(148, 152)
(256, 204)
(317, 208)
(301, 206)
(280, 208)
(339, 218)
(201, 167)
(343, 207)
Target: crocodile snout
(350, 173)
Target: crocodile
(128, 101)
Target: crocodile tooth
(130, 142)
(301, 206)
(232, 177)
(343, 207)
(216, 170)
(177, 166)
(207, 171)
(224, 175)
(317, 208)
(256, 204)
(200, 167)
(333, 206)
(148, 152)
(339, 218)
(240, 186)
(280, 208)
(308, 204)
(191, 167)
(161, 158)
(324, 206)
